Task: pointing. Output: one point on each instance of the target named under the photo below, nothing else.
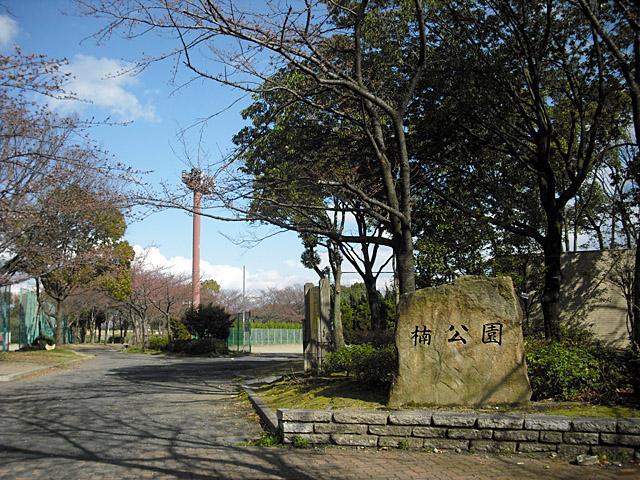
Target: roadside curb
(266, 414)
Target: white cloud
(8, 30)
(105, 83)
(293, 263)
(228, 276)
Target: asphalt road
(122, 410)
(125, 416)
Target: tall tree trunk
(336, 312)
(92, 327)
(143, 320)
(58, 330)
(636, 295)
(405, 262)
(374, 300)
(565, 229)
(552, 278)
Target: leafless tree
(330, 46)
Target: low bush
(45, 339)
(158, 343)
(343, 359)
(568, 371)
(208, 321)
(378, 338)
(40, 343)
(201, 346)
(179, 330)
(374, 366)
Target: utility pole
(199, 184)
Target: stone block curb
(453, 430)
(266, 414)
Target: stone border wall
(462, 431)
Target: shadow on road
(174, 417)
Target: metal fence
(276, 336)
(239, 338)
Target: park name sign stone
(461, 344)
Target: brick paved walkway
(136, 417)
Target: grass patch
(58, 356)
(300, 442)
(586, 410)
(267, 440)
(342, 392)
(336, 392)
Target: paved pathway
(130, 416)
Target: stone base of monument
(461, 345)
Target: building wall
(590, 296)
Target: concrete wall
(589, 296)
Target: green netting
(5, 313)
(22, 321)
(239, 338)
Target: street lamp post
(199, 184)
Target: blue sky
(157, 111)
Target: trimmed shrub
(208, 321)
(378, 338)
(201, 346)
(569, 372)
(374, 366)
(342, 360)
(158, 343)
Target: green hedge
(576, 369)
(158, 343)
(276, 325)
(201, 346)
(374, 366)
(568, 371)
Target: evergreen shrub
(200, 346)
(178, 330)
(570, 371)
(208, 321)
(158, 343)
(373, 366)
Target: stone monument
(461, 344)
(316, 330)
